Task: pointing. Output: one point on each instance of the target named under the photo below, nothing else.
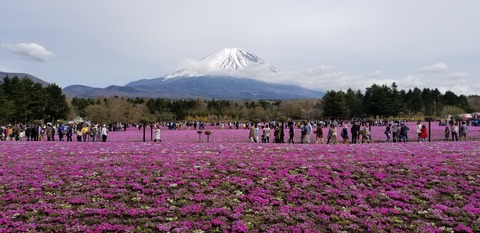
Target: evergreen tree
(354, 101)
(377, 101)
(335, 105)
(415, 103)
(56, 106)
(7, 108)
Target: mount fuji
(231, 73)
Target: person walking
(309, 132)
(252, 136)
(387, 133)
(423, 133)
(319, 134)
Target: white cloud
(438, 67)
(30, 51)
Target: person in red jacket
(423, 133)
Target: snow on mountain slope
(228, 61)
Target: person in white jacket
(104, 133)
(156, 131)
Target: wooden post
(429, 130)
(144, 131)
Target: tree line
(378, 101)
(387, 101)
(24, 101)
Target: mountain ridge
(21, 76)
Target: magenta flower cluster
(239, 187)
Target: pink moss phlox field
(239, 187)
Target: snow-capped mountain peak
(225, 61)
(231, 58)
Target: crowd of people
(353, 131)
(395, 131)
(65, 132)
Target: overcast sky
(322, 45)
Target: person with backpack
(404, 132)
(69, 133)
(61, 132)
(319, 134)
(344, 134)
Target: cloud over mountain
(31, 51)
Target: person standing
(49, 132)
(264, 136)
(354, 130)
(404, 132)
(291, 133)
(303, 132)
(463, 131)
(85, 132)
(61, 132)
(447, 133)
(344, 134)
(69, 133)
(419, 130)
(267, 133)
(79, 133)
(104, 133)
(156, 132)
(455, 132)
(332, 134)
(34, 133)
